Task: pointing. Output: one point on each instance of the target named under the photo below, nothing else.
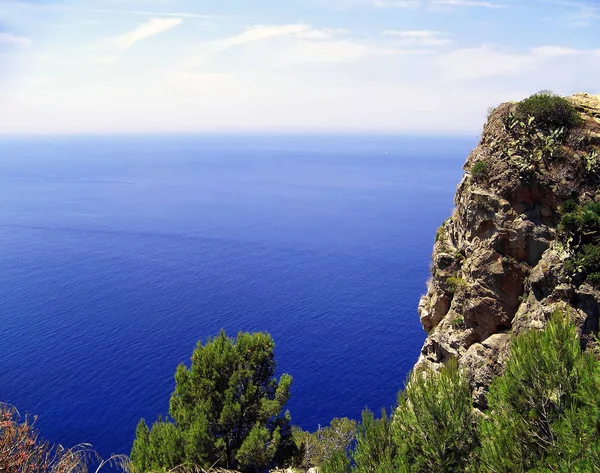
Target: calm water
(118, 253)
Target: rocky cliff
(498, 263)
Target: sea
(119, 253)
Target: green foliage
(544, 412)
(569, 206)
(549, 111)
(226, 410)
(318, 447)
(434, 425)
(337, 463)
(579, 228)
(543, 416)
(537, 129)
(480, 171)
(458, 322)
(375, 450)
(440, 232)
(455, 283)
(592, 161)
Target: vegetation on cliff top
(549, 111)
(532, 136)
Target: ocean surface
(117, 254)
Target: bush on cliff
(318, 447)
(543, 416)
(550, 111)
(544, 413)
(375, 450)
(434, 424)
(226, 411)
(480, 171)
(580, 231)
(432, 429)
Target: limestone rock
(497, 267)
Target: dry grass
(197, 469)
(22, 450)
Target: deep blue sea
(117, 254)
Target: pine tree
(544, 412)
(434, 424)
(226, 410)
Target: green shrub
(375, 450)
(568, 207)
(337, 463)
(580, 228)
(543, 416)
(226, 410)
(593, 207)
(440, 232)
(549, 111)
(458, 322)
(480, 171)
(434, 424)
(594, 279)
(319, 447)
(454, 284)
(544, 411)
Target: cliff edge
(503, 262)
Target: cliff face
(498, 262)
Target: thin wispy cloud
(9, 38)
(486, 61)
(378, 4)
(584, 17)
(145, 30)
(377, 64)
(257, 34)
(334, 52)
(72, 7)
(420, 37)
(405, 4)
(465, 3)
(150, 13)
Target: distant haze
(106, 66)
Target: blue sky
(104, 66)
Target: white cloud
(38, 82)
(405, 4)
(332, 52)
(555, 51)
(146, 30)
(400, 4)
(150, 13)
(584, 17)
(465, 3)
(482, 62)
(420, 37)
(9, 38)
(258, 34)
(326, 33)
(487, 61)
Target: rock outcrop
(497, 264)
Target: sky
(399, 66)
